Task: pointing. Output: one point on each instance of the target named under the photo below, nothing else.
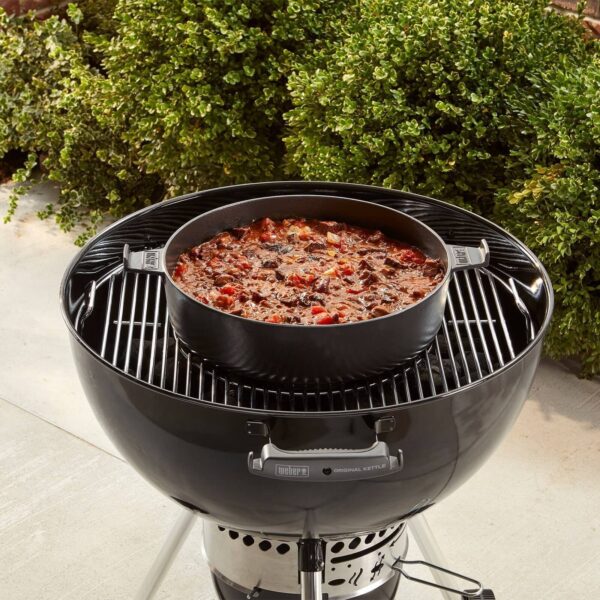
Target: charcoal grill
(309, 467)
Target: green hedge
(199, 88)
(555, 207)
(51, 110)
(490, 105)
(417, 95)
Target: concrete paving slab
(37, 371)
(78, 524)
(528, 522)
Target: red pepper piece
(347, 270)
(224, 301)
(413, 256)
(325, 320)
(244, 264)
(180, 269)
(228, 289)
(315, 310)
(273, 319)
(296, 280)
(267, 236)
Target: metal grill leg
(423, 535)
(167, 554)
(311, 564)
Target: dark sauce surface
(306, 272)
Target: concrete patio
(76, 522)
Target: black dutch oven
(304, 354)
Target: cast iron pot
(305, 354)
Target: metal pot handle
(467, 257)
(325, 464)
(144, 261)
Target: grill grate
(473, 342)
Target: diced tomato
(266, 224)
(228, 289)
(295, 279)
(244, 264)
(224, 301)
(413, 256)
(267, 236)
(273, 319)
(355, 290)
(342, 314)
(315, 310)
(180, 269)
(325, 320)
(347, 270)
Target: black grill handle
(325, 464)
(467, 257)
(144, 261)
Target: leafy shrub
(199, 88)
(555, 207)
(47, 110)
(159, 99)
(416, 95)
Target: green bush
(49, 110)
(199, 88)
(555, 207)
(417, 95)
(159, 98)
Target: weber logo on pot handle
(467, 257)
(145, 261)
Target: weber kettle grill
(305, 489)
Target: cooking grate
(473, 342)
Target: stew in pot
(309, 272)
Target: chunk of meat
(322, 285)
(314, 246)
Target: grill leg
(311, 564)
(167, 554)
(423, 535)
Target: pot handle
(144, 261)
(325, 464)
(467, 257)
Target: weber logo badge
(461, 256)
(291, 471)
(151, 260)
